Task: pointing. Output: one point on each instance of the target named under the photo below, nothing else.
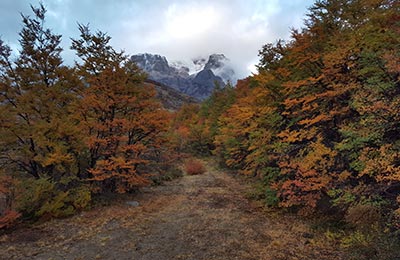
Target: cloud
(177, 29)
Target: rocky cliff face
(170, 98)
(198, 81)
(219, 65)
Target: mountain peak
(216, 61)
(200, 84)
(221, 66)
(152, 62)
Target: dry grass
(199, 217)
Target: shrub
(194, 167)
(8, 219)
(8, 215)
(363, 216)
(43, 197)
(167, 175)
(371, 245)
(172, 174)
(263, 192)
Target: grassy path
(195, 217)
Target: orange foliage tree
(124, 123)
(40, 141)
(38, 134)
(321, 116)
(245, 138)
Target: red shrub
(8, 219)
(194, 167)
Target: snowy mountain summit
(196, 79)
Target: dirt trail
(195, 217)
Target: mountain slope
(198, 82)
(170, 98)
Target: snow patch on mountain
(196, 78)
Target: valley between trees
(193, 217)
(317, 130)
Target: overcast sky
(177, 29)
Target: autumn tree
(329, 67)
(197, 124)
(36, 91)
(205, 130)
(181, 137)
(39, 138)
(370, 139)
(124, 123)
(322, 110)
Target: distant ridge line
(171, 98)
